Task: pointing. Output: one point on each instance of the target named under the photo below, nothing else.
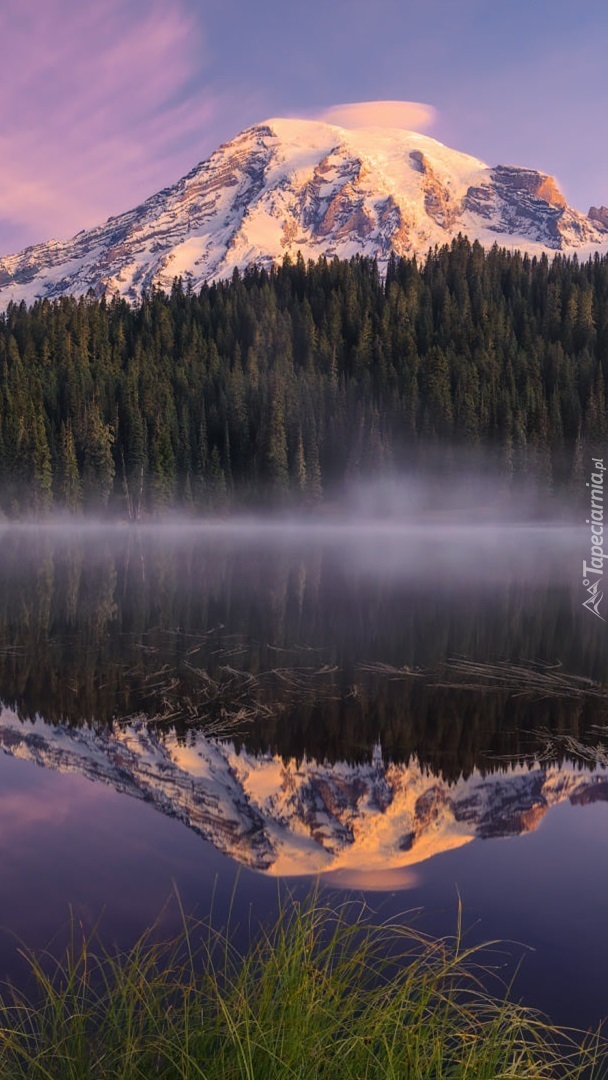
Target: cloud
(106, 106)
(375, 880)
(411, 115)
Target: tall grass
(324, 993)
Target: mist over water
(449, 500)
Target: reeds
(529, 678)
(224, 683)
(218, 697)
(554, 748)
(323, 993)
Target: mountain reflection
(310, 698)
(288, 817)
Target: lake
(384, 708)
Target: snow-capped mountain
(285, 186)
(288, 818)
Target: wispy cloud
(411, 115)
(102, 104)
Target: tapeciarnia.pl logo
(593, 572)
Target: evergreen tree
(295, 379)
(70, 488)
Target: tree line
(281, 385)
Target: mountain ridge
(288, 186)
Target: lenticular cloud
(410, 115)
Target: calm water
(225, 708)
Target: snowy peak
(285, 186)
(308, 817)
(599, 215)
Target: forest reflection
(447, 644)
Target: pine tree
(276, 445)
(98, 463)
(70, 488)
(41, 472)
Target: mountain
(304, 817)
(285, 186)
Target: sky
(105, 103)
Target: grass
(323, 994)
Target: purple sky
(106, 102)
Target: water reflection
(288, 817)
(308, 698)
(320, 640)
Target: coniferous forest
(281, 385)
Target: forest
(281, 385)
